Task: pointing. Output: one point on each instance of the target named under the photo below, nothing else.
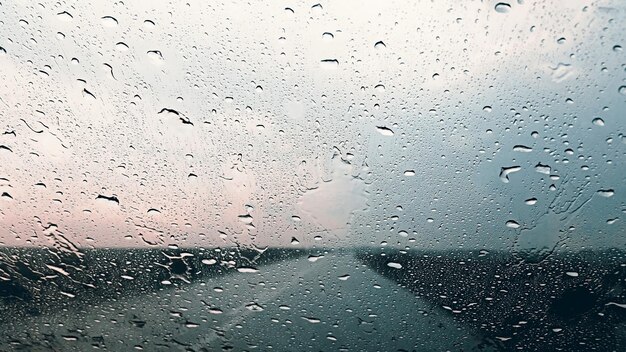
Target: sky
(338, 124)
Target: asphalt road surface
(334, 303)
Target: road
(334, 303)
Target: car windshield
(302, 176)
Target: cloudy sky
(330, 124)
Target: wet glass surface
(341, 176)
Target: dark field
(567, 302)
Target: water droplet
(109, 21)
(571, 274)
(314, 258)
(112, 199)
(409, 173)
(344, 277)
(513, 224)
(254, 307)
(247, 269)
(543, 169)
(606, 193)
(209, 261)
(246, 219)
(380, 88)
(153, 211)
(530, 201)
(598, 122)
(88, 94)
(121, 46)
(68, 294)
(622, 90)
(522, 149)
(380, 45)
(294, 241)
(149, 24)
(403, 233)
(312, 320)
(620, 305)
(155, 55)
(502, 7)
(487, 108)
(329, 64)
(394, 265)
(58, 269)
(561, 40)
(505, 171)
(65, 16)
(384, 131)
(327, 36)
